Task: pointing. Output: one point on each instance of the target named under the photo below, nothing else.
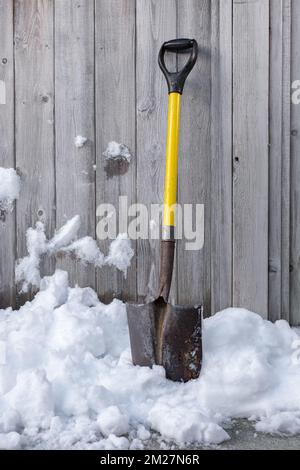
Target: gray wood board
(295, 171)
(74, 115)
(115, 121)
(7, 158)
(156, 23)
(34, 108)
(221, 155)
(194, 20)
(250, 154)
(279, 160)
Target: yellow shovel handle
(175, 81)
(170, 198)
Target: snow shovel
(161, 333)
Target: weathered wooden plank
(250, 154)
(221, 155)
(195, 153)
(286, 150)
(74, 115)
(115, 121)
(275, 156)
(7, 159)
(295, 170)
(34, 135)
(156, 23)
(279, 156)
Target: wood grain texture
(34, 134)
(295, 172)
(90, 68)
(193, 281)
(279, 160)
(275, 158)
(250, 154)
(115, 121)
(286, 167)
(74, 115)
(7, 158)
(156, 23)
(221, 155)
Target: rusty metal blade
(167, 335)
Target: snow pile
(117, 151)
(79, 141)
(9, 188)
(67, 380)
(64, 240)
(28, 268)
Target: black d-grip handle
(176, 80)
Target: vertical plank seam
(54, 120)
(232, 143)
(16, 303)
(95, 143)
(286, 144)
(268, 180)
(135, 142)
(269, 160)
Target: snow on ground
(85, 249)
(9, 188)
(67, 380)
(116, 151)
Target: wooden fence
(89, 67)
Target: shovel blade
(166, 335)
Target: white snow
(65, 235)
(112, 421)
(10, 441)
(68, 380)
(116, 151)
(283, 422)
(27, 269)
(10, 184)
(120, 253)
(85, 249)
(79, 141)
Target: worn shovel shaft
(167, 253)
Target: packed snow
(86, 250)
(116, 151)
(120, 253)
(67, 380)
(79, 141)
(10, 184)
(64, 241)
